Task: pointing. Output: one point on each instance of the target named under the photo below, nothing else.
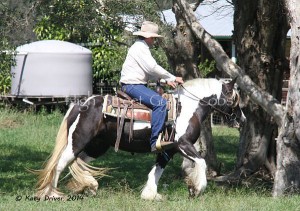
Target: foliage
(4, 60)
(160, 57)
(108, 53)
(138, 10)
(134, 13)
(16, 22)
(68, 20)
(89, 23)
(100, 26)
(206, 67)
(15, 28)
(5, 76)
(5, 55)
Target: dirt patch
(9, 123)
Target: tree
(14, 17)
(260, 30)
(17, 20)
(287, 177)
(287, 172)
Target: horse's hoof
(159, 197)
(156, 197)
(90, 191)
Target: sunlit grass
(226, 145)
(27, 138)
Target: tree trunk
(206, 147)
(260, 33)
(287, 177)
(184, 51)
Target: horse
(86, 133)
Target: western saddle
(123, 107)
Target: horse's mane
(203, 87)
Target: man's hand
(173, 84)
(179, 80)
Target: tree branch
(257, 95)
(196, 5)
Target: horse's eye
(229, 93)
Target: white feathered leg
(195, 176)
(149, 192)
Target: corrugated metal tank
(52, 68)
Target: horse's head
(221, 97)
(229, 105)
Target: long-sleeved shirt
(140, 67)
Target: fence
(103, 88)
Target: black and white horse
(87, 133)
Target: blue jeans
(153, 100)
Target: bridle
(231, 116)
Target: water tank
(52, 68)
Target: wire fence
(103, 88)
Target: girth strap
(120, 125)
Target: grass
(27, 138)
(226, 144)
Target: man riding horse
(86, 134)
(137, 69)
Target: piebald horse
(87, 133)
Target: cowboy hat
(148, 29)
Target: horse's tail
(84, 176)
(46, 175)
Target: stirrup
(158, 143)
(162, 145)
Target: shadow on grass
(131, 171)
(226, 144)
(13, 173)
(226, 147)
(127, 171)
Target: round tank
(52, 68)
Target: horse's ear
(232, 82)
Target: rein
(232, 116)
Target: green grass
(26, 140)
(226, 144)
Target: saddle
(122, 103)
(123, 107)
